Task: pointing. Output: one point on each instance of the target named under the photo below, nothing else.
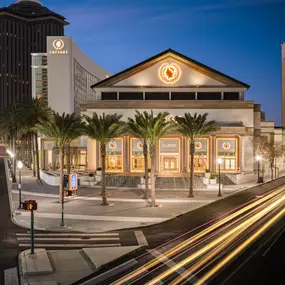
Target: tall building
(283, 84)
(24, 27)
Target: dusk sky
(240, 38)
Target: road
(211, 237)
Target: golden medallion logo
(226, 145)
(139, 145)
(169, 73)
(198, 145)
(58, 44)
(112, 145)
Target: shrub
(207, 170)
(91, 174)
(213, 176)
(99, 168)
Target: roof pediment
(170, 69)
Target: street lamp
(20, 166)
(219, 161)
(259, 179)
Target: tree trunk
(34, 155)
(14, 159)
(145, 154)
(61, 167)
(152, 175)
(192, 153)
(30, 151)
(68, 159)
(271, 168)
(103, 181)
(37, 158)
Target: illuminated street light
(10, 153)
(20, 166)
(259, 179)
(219, 161)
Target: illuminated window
(114, 155)
(137, 157)
(226, 148)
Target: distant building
(62, 77)
(24, 27)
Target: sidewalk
(127, 209)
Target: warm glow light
(20, 164)
(169, 73)
(219, 160)
(10, 153)
(258, 157)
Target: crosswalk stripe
(68, 234)
(80, 245)
(66, 239)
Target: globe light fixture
(20, 166)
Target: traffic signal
(68, 193)
(30, 205)
(65, 181)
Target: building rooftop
(30, 9)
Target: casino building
(173, 82)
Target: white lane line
(268, 249)
(47, 195)
(96, 218)
(67, 234)
(79, 245)
(11, 276)
(110, 273)
(170, 264)
(66, 239)
(141, 238)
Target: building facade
(24, 28)
(62, 78)
(173, 82)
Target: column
(241, 153)
(184, 154)
(213, 157)
(157, 158)
(98, 155)
(91, 154)
(126, 158)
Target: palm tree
(158, 127)
(11, 124)
(103, 129)
(139, 128)
(62, 129)
(194, 127)
(32, 112)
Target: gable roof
(131, 70)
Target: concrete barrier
(49, 178)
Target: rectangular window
(182, 95)
(137, 157)
(209, 96)
(109, 95)
(227, 150)
(231, 95)
(114, 155)
(156, 96)
(169, 155)
(131, 95)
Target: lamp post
(219, 161)
(20, 166)
(259, 179)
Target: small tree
(103, 129)
(194, 127)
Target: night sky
(240, 38)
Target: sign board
(169, 145)
(48, 145)
(72, 182)
(58, 45)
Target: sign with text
(169, 145)
(58, 45)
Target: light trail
(242, 247)
(139, 272)
(215, 243)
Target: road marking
(96, 218)
(11, 276)
(273, 243)
(110, 273)
(67, 234)
(79, 245)
(67, 239)
(141, 238)
(170, 264)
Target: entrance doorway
(200, 163)
(170, 163)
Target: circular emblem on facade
(58, 44)
(226, 145)
(198, 145)
(169, 73)
(112, 145)
(139, 145)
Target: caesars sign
(58, 47)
